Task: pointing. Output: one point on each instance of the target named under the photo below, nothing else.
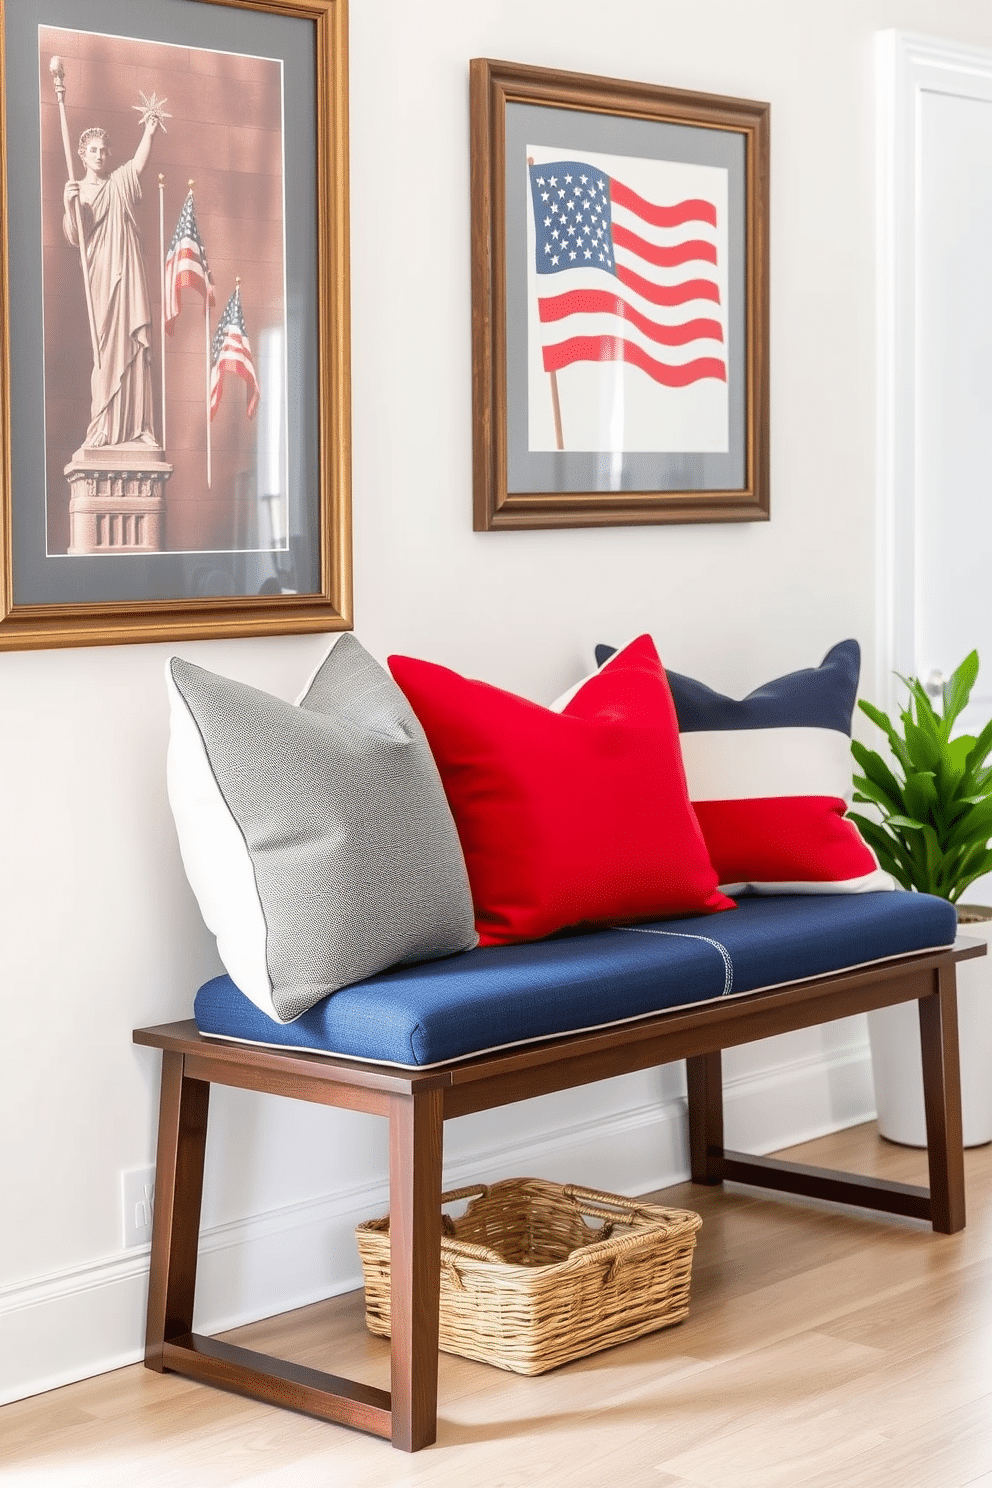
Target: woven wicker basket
(527, 1285)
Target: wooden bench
(417, 1103)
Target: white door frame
(907, 67)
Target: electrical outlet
(138, 1202)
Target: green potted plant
(931, 831)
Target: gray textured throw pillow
(317, 837)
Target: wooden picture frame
(648, 429)
(176, 446)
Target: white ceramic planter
(896, 1064)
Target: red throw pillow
(572, 818)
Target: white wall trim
(907, 67)
(88, 1319)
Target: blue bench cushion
(496, 996)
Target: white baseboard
(797, 1102)
(89, 1319)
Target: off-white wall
(99, 932)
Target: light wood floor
(823, 1349)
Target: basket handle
(470, 1252)
(463, 1247)
(474, 1191)
(604, 1205)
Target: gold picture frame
(668, 419)
(145, 495)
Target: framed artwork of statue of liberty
(174, 359)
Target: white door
(934, 363)
(935, 368)
(954, 392)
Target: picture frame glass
(663, 207)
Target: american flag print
(629, 275)
(185, 265)
(231, 352)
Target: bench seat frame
(416, 1105)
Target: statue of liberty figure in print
(103, 205)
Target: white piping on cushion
(728, 965)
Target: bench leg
(182, 1135)
(942, 1102)
(415, 1143)
(704, 1083)
(943, 1204)
(170, 1343)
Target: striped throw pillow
(769, 777)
